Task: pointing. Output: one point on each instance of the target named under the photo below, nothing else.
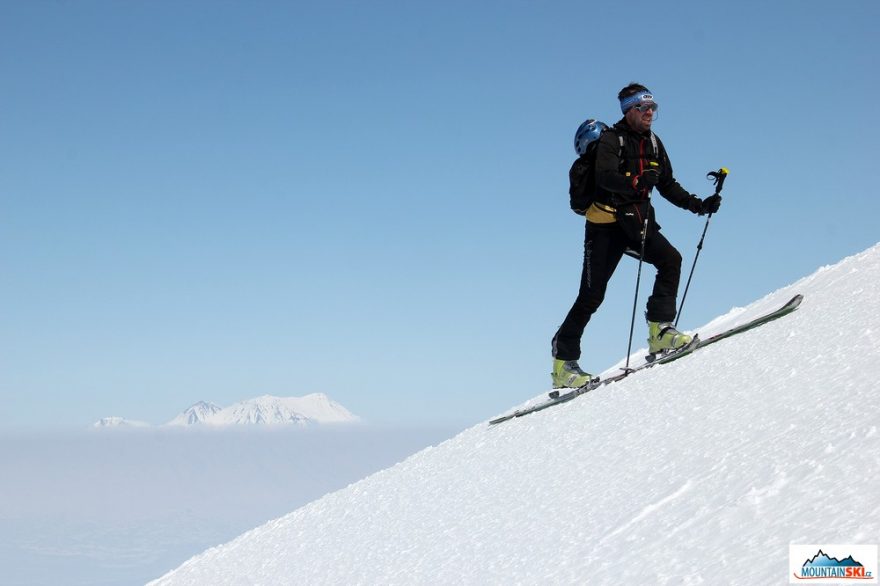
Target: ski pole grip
(719, 177)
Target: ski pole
(718, 176)
(632, 323)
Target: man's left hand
(710, 204)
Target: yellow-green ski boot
(567, 374)
(663, 337)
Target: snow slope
(702, 471)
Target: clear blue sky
(216, 200)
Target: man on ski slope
(630, 162)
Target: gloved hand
(646, 180)
(701, 207)
(711, 204)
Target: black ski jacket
(616, 168)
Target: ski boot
(567, 374)
(663, 338)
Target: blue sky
(217, 200)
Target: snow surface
(702, 471)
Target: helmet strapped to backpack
(582, 183)
(587, 133)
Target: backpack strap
(619, 139)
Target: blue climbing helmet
(587, 133)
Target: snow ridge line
(651, 508)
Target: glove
(701, 207)
(711, 204)
(646, 180)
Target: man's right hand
(646, 180)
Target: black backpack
(582, 175)
(582, 178)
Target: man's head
(638, 106)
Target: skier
(630, 162)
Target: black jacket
(615, 170)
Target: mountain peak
(314, 408)
(198, 413)
(268, 410)
(119, 422)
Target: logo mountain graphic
(822, 559)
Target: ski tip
(790, 305)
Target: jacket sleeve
(608, 175)
(668, 186)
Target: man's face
(640, 121)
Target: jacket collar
(623, 126)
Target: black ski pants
(604, 246)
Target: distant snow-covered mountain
(316, 408)
(198, 413)
(270, 410)
(119, 422)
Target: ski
(557, 397)
(563, 396)
(790, 306)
